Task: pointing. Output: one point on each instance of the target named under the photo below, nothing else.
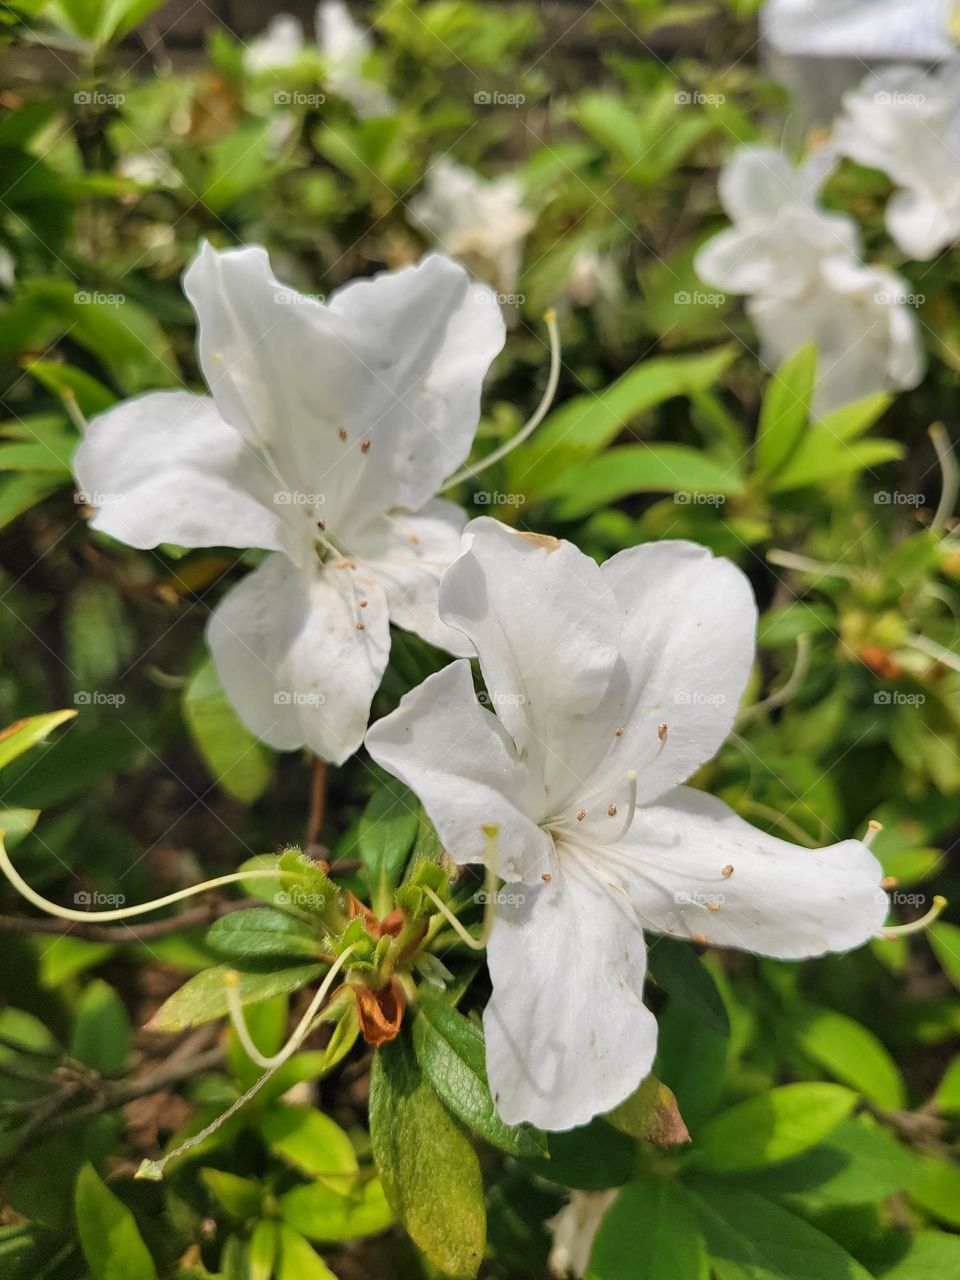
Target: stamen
(727, 871)
(342, 433)
(931, 649)
(612, 810)
(126, 913)
(618, 732)
(491, 862)
(365, 445)
(361, 626)
(546, 877)
(949, 477)
(662, 735)
(581, 814)
(889, 882)
(790, 560)
(915, 926)
(631, 807)
(321, 524)
(788, 689)
(701, 938)
(550, 319)
(873, 830)
(153, 1170)
(713, 906)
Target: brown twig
(204, 914)
(318, 807)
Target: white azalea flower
(593, 279)
(799, 266)
(281, 45)
(819, 48)
(574, 1230)
(611, 685)
(483, 223)
(327, 432)
(907, 122)
(346, 46)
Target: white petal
(292, 660)
(428, 336)
(466, 771)
(165, 467)
(922, 225)
(568, 1035)
(279, 46)
(545, 627)
(409, 554)
(779, 900)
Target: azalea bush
(480, 671)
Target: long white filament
(492, 833)
(528, 428)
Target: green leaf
(72, 385)
(772, 1126)
(937, 1189)
(101, 1032)
(651, 1114)
(234, 756)
(324, 1215)
(241, 1197)
(24, 734)
(386, 834)
(429, 1170)
(849, 1052)
(921, 1256)
(785, 410)
(20, 491)
(451, 1052)
(640, 468)
(945, 940)
(312, 1143)
(751, 1238)
(204, 996)
(109, 1236)
(676, 967)
(947, 1096)
(296, 1259)
(264, 1248)
(263, 931)
(821, 457)
(594, 1157)
(650, 1233)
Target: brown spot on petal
(381, 1012)
(545, 540)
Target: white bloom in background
(593, 278)
(907, 122)
(346, 45)
(327, 431)
(482, 222)
(594, 673)
(799, 266)
(819, 48)
(280, 46)
(574, 1230)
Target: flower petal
(568, 1035)
(694, 869)
(165, 467)
(466, 771)
(409, 555)
(545, 626)
(292, 659)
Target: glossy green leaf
(109, 1236)
(785, 410)
(263, 931)
(20, 737)
(203, 997)
(850, 1053)
(640, 468)
(386, 834)
(676, 967)
(650, 1233)
(772, 1126)
(241, 1197)
(312, 1143)
(322, 1214)
(234, 756)
(101, 1031)
(297, 1259)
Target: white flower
(593, 279)
(574, 1230)
(281, 45)
(346, 46)
(483, 223)
(595, 672)
(907, 123)
(326, 434)
(799, 265)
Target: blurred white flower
(328, 429)
(574, 1230)
(150, 169)
(280, 45)
(610, 686)
(906, 122)
(346, 45)
(8, 269)
(484, 223)
(593, 278)
(799, 266)
(819, 48)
